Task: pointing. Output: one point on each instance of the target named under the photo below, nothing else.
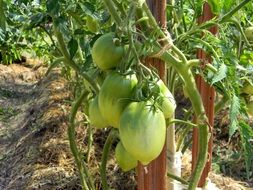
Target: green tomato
(249, 33)
(105, 53)
(247, 88)
(143, 131)
(95, 116)
(166, 100)
(92, 24)
(115, 95)
(124, 159)
(250, 108)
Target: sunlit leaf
(234, 111)
(221, 74)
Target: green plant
(87, 38)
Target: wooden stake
(153, 176)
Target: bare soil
(34, 147)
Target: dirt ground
(34, 148)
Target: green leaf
(53, 7)
(37, 19)
(228, 4)
(246, 133)
(2, 36)
(87, 8)
(234, 111)
(2, 15)
(221, 74)
(62, 24)
(72, 46)
(216, 5)
(199, 7)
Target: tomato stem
(69, 61)
(181, 180)
(83, 171)
(90, 141)
(110, 6)
(194, 62)
(167, 38)
(178, 121)
(227, 16)
(216, 21)
(106, 150)
(191, 89)
(202, 156)
(239, 27)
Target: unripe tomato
(249, 33)
(142, 131)
(166, 100)
(247, 88)
(95, 116)
(250, 108)
(114, 95)
(124, 159)
(105, 53)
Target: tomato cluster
(141, 122)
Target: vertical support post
(208, 95)
(153, 176)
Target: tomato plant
(101, 48)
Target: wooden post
(153, 176)
(208, 95)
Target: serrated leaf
(246, 134)
(234, 111)
(221, 74)
(72, 46)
